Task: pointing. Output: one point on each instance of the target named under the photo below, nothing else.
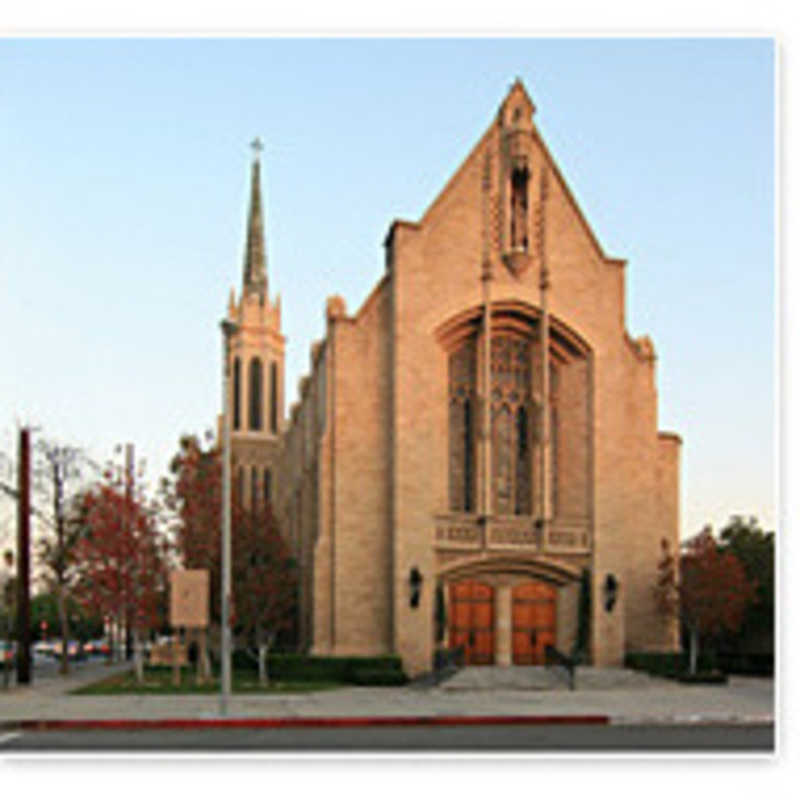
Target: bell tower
(256, 356)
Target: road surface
(519, 738)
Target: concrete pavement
(625, 699)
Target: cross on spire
(257, 147)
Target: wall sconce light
(610, 591)
(415, 582)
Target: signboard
(188, 598)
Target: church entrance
(472, 620)
(533, 621)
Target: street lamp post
(228, 329)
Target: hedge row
(747, 663)
(676, 667)
(674, 664)
(362, 670)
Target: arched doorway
(533, 621)
(471, 620)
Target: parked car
(96, 647)
(8, 651)
(73, 649)
(43, 649)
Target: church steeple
(255, 257)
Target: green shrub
(292, 667)
(378, 677)
(762, 664)
(669, 665)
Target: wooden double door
(533, 623)
(471, 620)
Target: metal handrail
(555, 658)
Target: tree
(263, 570)
(122, 558)
(755, 549)
(56, 471)
(714, 591)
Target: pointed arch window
(462, 394)
(255, 394)
(519, 209)
(273, 397)
(237, 393)
(511, 401)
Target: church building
(474, 458)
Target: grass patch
(159, 681)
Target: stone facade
(431, 458)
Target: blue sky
(124, 189)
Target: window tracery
(511, 400)
(516, 423)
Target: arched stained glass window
(237, 393)
(255, 394)
(522, 498)
(462, 392)
(511, 451)
(273, 397)
(515, 423)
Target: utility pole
(228, 329)
(23, 559)
(129, 643)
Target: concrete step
(530, 678)
(545, 678)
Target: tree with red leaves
(708, 589)
(121, 558)
(263, 570)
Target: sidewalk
(654, 701)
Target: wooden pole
(23, 559)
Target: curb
(695, 719)
(301, 722)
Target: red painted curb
(307, 722)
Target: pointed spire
(255, 257)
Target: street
(518, 738)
